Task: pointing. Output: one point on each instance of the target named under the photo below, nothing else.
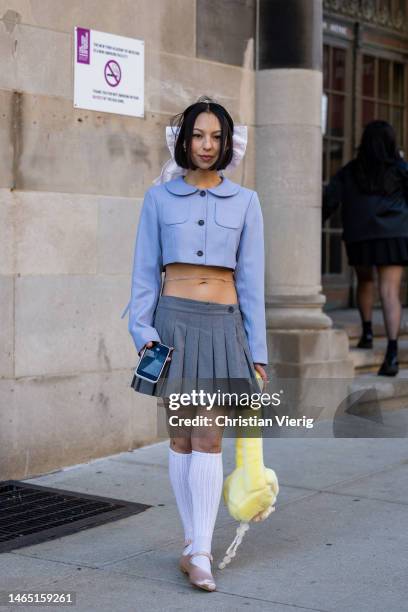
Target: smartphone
(152, 362)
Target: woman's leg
(365, 293)
(206, 483)
(390, 284)
(389, 288)
(179, 467)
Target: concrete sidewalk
(338, 540)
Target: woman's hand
(259, 368)
(149, 345)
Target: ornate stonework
(369, 11)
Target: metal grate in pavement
(30, 514)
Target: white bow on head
(171, 170)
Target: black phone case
(163, 374)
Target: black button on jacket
(367, 216)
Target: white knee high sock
(179, 466)
(206, 480)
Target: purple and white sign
(83, 44)
(108, 73)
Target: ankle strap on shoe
(204, 553)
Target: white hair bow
(171, 170)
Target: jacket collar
(178, 186)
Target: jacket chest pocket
(176, 212)
(175, 228)
(227, 214)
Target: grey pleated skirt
(211, 350)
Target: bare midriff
(205, 283)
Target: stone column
(288, 180)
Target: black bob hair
(185, 122)
(375, 168)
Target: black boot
(366, 340)
(390, 365)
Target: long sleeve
(250, 280)
(332, 195)
(146, 275)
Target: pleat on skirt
(211, 350)
(378, 251)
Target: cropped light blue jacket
(218, 226)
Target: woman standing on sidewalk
(206, 232)
(373, 191)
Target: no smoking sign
(108, 73)
(112, 73)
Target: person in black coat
(373, 192)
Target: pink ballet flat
(198, 577)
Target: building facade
(365, 59)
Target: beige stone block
(288, 164)
(281, 346)
(55, 233)
(79, 151)
(175, 82)
(292, 249)
(308, 346)
(331, 369)
(168, 25)
(67, 324)
(47, 423)
(305, 347)
(36, 60)
(288, 97)
(9, 138)
(118, 219)
(7, 251)
(7, 326)
(339, 346)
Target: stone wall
(71, 187)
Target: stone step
(379, 392)
(368, 360)
(349, 320)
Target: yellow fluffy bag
(250, 490)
